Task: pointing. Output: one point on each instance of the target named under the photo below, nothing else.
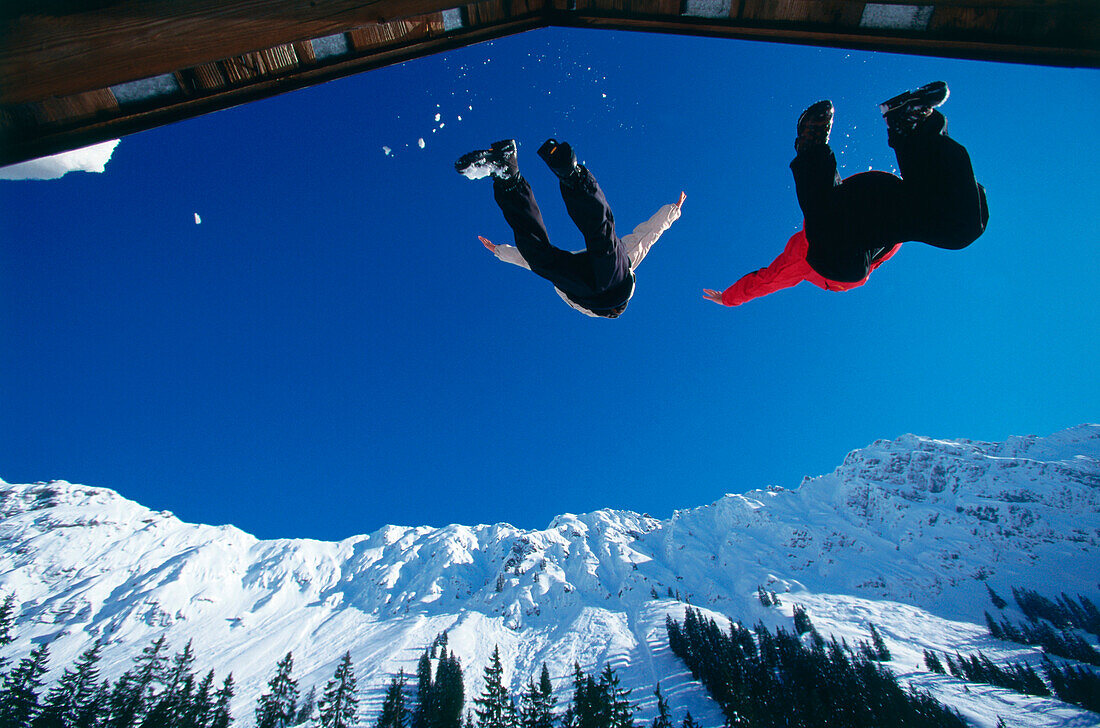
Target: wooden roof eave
(53, 141)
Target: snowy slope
(905, 534)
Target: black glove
(559, 157)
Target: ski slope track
(905, 534)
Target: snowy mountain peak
(912, 529)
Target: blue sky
(332, 350)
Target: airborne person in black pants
(598, 281)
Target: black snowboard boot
(907, 111)
(498, 162)
(814, 126)
(559, 157)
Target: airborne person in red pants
(853, 226)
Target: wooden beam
(923, 43)
(60, 47)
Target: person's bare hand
(683, 196)
(488, 246)
(710, 295)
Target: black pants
(598, 278)
(850, 224)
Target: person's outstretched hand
(683, 196)
(488, 246)
(715, 296)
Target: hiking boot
(907, 111)
(814, 126)
(498, 161)
(559, 157)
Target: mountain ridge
(914, 523)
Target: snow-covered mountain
(905, 534)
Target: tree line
(158, 691)
(1050, 626)
(161, 690)
(1069, 683)
(766, 679)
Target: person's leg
(946, 205)
(587, 206)
(815, 180)
(517, 201)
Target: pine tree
(994, 597)
(571, 717)
(527, 702)
(537, 702)
(173, 703)
(802, 622)
(493, 705)
(620, 711)
(133, 694)
(547, 701)
(422, 708)
(591, 705)
(663, 719)
(7, 620)
(339, 703)
(882, 652)
(306, 707)
(394, 712)
(98, 708)
(200, 709)
(278, 706)
(76, 694)
(19, 704)
(933, 662)
(689, 722)
(448, 694)
(221, 717)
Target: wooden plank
(304, 51)
(75, 107)
(57, 47)
(488, 11)
(403, 31)
(208, 77)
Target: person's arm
(507, 253)
(789, 269)
(638, 243)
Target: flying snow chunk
(420, 142)
(88, 159)
(437, 117)
(198, 220)
(478, 170)
(387, 151)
